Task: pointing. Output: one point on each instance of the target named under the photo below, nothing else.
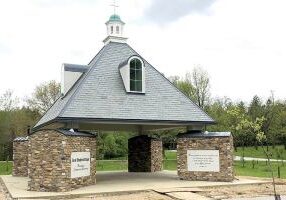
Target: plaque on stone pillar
(203, 160)
(80, 164)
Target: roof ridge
(99, 54)
(96, 55)
(172, 84)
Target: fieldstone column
(144, 154)
(20, 156)
(205, 157)
(61, 160)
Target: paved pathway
(119, 181)
(238, 158)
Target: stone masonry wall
(144, 154)
(156, 155)
(20, 158)
(50, 161)
(225, 147)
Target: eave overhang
(137, 122)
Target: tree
(201, 84)
(282, 138)
(261, 138)
(186, 87)
(255, 108)
(110, 146)
(195, 85)
(4, 126)
(174, 79)
(246, 127)
(44, 96)
(8, 102)
(239, 127)
(8, 105)
(12, 124)
(218, 110)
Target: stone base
(144, 154)
(50, 160)
(223, 143)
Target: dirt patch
(219, 192)
(148, 195)
(3, 192)
(2, 195)
(243, 191)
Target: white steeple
(114, 27)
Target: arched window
(117, 29)
(132, 71)
(111, 29)
(135, 75)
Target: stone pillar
(20, 156)
(59, 160)
(205, 157)
(144, 154)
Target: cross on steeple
(114, 5)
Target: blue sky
(240, 43)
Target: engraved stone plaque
(203, 160)
(80, 164)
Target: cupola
(114, 27)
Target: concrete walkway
(116, 182)
(238, 158)
(260, 198)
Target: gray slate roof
(100, 94)
(204, 134)
(76, 133)
(75, 67)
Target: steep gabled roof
(100, 94)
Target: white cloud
(165, 11)
(240, 43)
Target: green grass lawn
(170, 163)
(259, 170)
(276, 153)
(111, 165)
(170, 155)
(5, 168)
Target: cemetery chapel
(118, 90)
